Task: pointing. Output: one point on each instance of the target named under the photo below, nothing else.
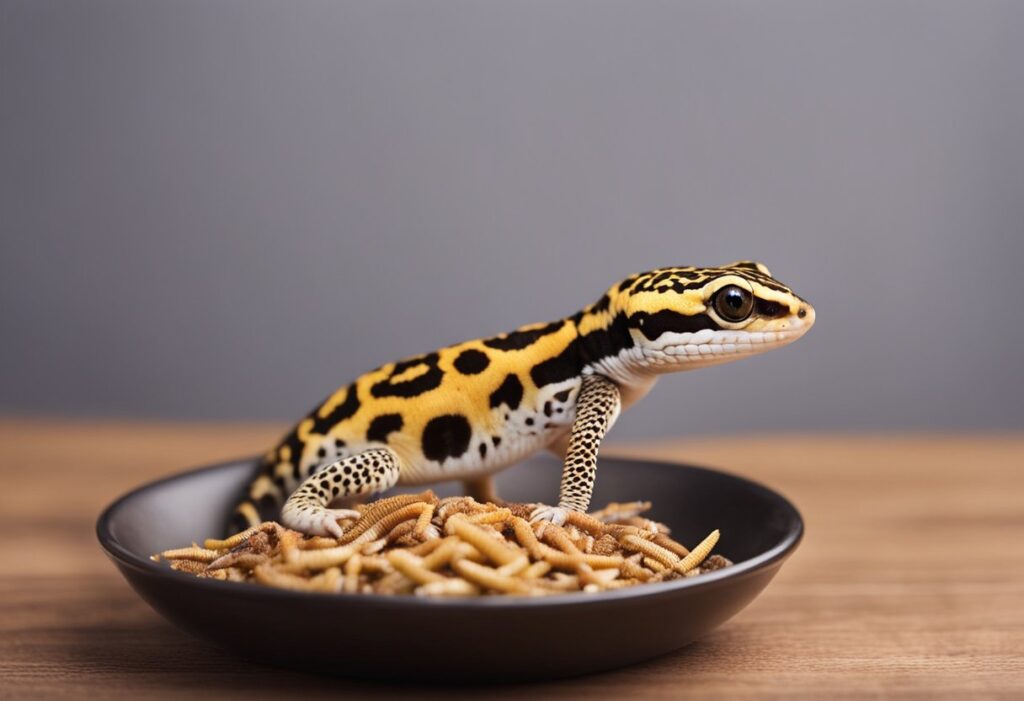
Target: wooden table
(910, 581)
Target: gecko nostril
(802, 313)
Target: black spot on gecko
(472, 362)
(383, 425)
(483, 451)
(628, 281)
(547, 408)
(563, 396)
(424, 382)
(323, 424)
(564, 366)
(446, 436)
(510, 393)
(518, 340)
(600, 305)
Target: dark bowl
(490, 639)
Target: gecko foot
(318, 521)
(553, 514)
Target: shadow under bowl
(491, 639)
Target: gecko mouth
(707, 346)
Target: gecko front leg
(597, 407)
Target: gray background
(226, 209)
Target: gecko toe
(552, 514)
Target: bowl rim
(775, 555)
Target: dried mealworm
(442, 554)
(377, 564)
(632, 569)
(489, 578)
(616, 511)
(231, 541)
(298, 560)
(373, 547)
(562, 560)
(192, 553)
(652, 564)
(386, 523)
(239, 559)
(526, 537)
(586, 522)
(381, 509)
(556, 536)
(496, 516)
(515, 567)
(495, 550)
(448, 586)
(353, 568)
(698, 554)
(650, 549)
(671, 545)
(537, 569)
(412, 567)
(190, 566)
(426, 547)
(267, 575)
(423, 522)
(402, 529)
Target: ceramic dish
(487, 639)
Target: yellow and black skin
(469, 410)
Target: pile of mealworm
(419, 544)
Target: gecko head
(683, 318)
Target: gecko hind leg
(369, 472)
(482, 489)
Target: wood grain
(910, 582)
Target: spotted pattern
(509, 393)
(471, 362)
(382, 426)
(368, 472)
(446, 437)
(596, 410)
(410, 378)
(681, 279)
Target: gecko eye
(733, 303)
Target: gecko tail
(244, 516)
(261, 501)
